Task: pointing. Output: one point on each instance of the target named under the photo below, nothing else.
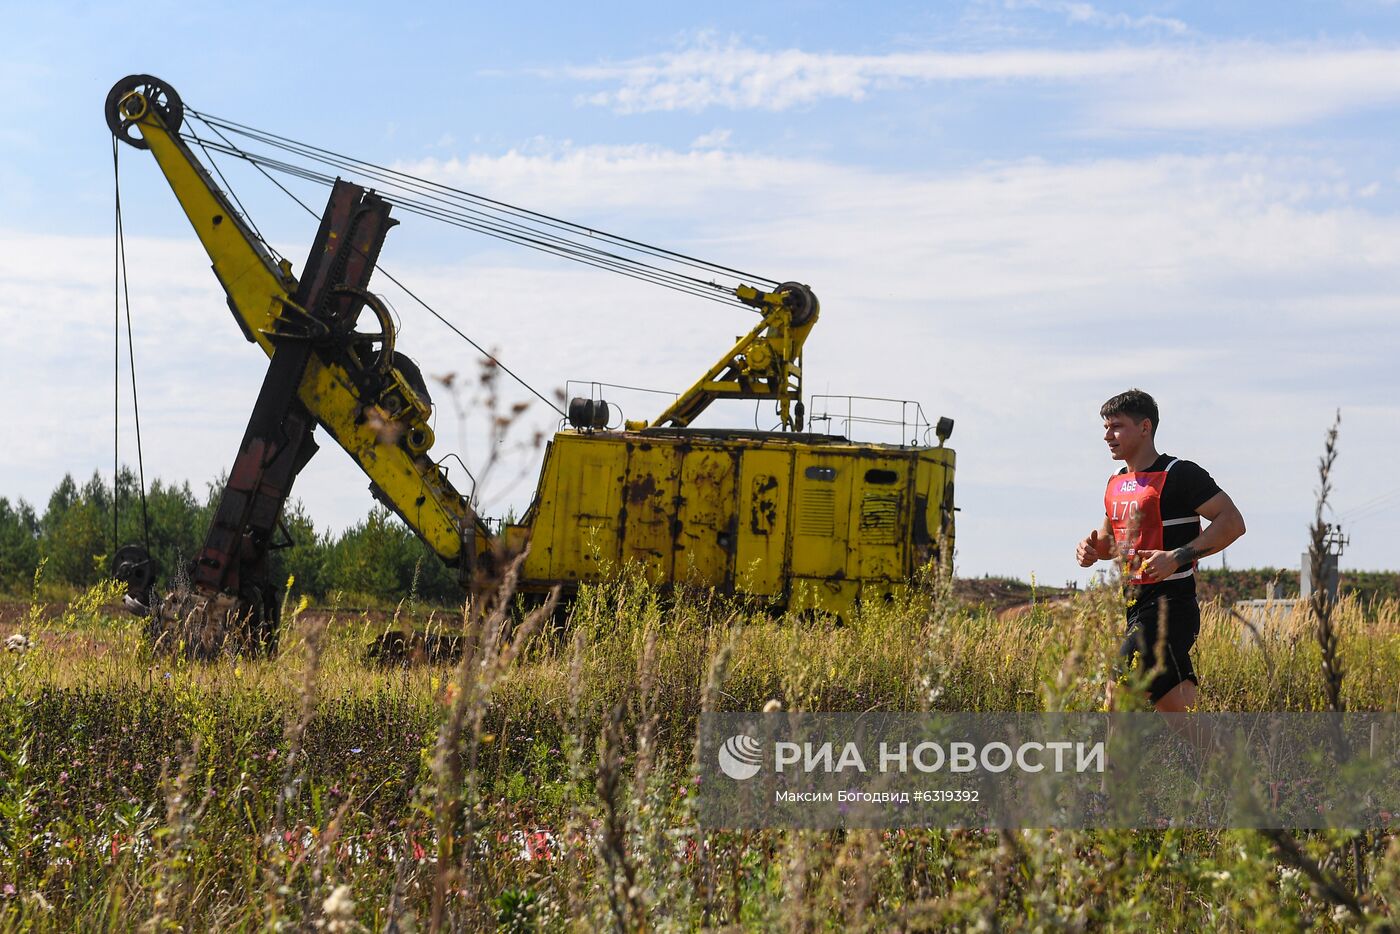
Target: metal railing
(902, 415)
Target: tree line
(377, 559)
(1230, 584)
(74, 538)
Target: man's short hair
(1135, 404)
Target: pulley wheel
(160, 98)
(381, 342)
(133, 566)
(799, 300)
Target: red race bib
(1133, 504)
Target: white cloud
(737, 77)
(715, 139)
(1252, 294)
(564, 177)
(1256, 87)
(1090, 15)
(1235, 86)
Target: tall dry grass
(545, 782)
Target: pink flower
(539, 844)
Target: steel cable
(462, 209)
(122, 282)
(413, 295)
(405, 179)
(510, 231)
(1375, 507)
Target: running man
(1153, 509)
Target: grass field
(544, 783)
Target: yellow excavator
(787, 517)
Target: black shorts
(1183, 618)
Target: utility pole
(1333, 543)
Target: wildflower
(338, 911)
(18, 642)
(9, 891)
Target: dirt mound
(999, 594)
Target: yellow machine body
(798, 520)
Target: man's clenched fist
(1156, 566)
(1094, 548)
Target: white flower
(338, 912)
(18, 642)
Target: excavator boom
(368, 397)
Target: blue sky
(1010, 210)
